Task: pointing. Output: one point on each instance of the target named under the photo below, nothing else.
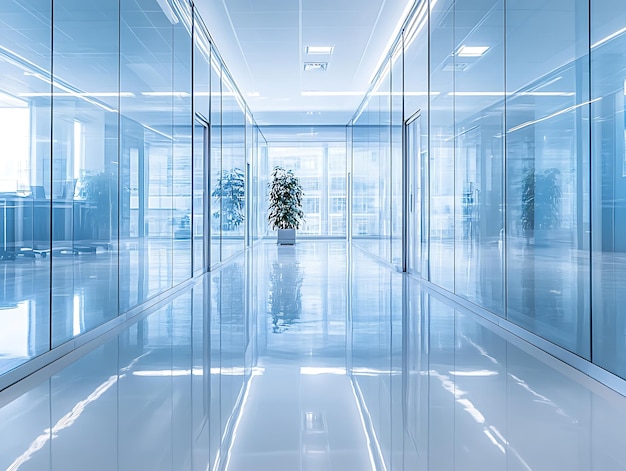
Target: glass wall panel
(441, 144)
(25, 182)
(396, 156)
(372, 176)
(416, 106)
(216, 159)
(263, 172)
(147, 144)
(479, 130)
(232, 181)
(84, 167)
(202, 104)
(380, 138)
(547, 170)
(608, 90)
(182, 165)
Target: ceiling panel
(263, 44)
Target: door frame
(406, 178)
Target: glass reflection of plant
(100, 190)
(231, 189)
(285, 301)
(540, 200)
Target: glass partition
(25, 184)
(608, 184)
(84, 173)
(479, 158)
(547, 173)
(513, 152)
(110, 138)
(441, 144)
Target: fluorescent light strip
(608, 38)
(392, 38)
(167, 136)
(78, 95)
(498, 94)
(68, 90)
(417, 23)
(168, 11)
(316, 93)
(553, 115)
(167, 94)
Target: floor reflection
(313, 357)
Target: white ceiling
(263, 43)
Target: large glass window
(479, 163)
(320, 166)
(25, 181)
(608, 96)
(84, 173)
(441, 134)
(547, 171)
(104, 192)
(231, 183)
(182, 155)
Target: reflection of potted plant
(231, 189)
(285, 205)
(100, 191)
(285, 294)
(540, 200)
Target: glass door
(199, 224)
(416, 201)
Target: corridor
(311, 357)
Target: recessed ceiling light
(315, 65)
(319, 50)
(320, 93)
(472, 51)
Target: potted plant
(285, 205)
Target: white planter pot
(286, 236)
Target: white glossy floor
(313, 357)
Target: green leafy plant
(540, 199)
(231, 189)
(285, 200)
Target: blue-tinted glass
(84, 167)
(479, 125)
(547, 171)
(147, 142)
(416, 105)
(202, 108)
(396, 172)
(25, 182)
(231, 185)
(216, 160)
(608, 157)
(182, 156)
(441, 144)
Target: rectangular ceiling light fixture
(319, 49)
(472, 51)
(309, 66)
